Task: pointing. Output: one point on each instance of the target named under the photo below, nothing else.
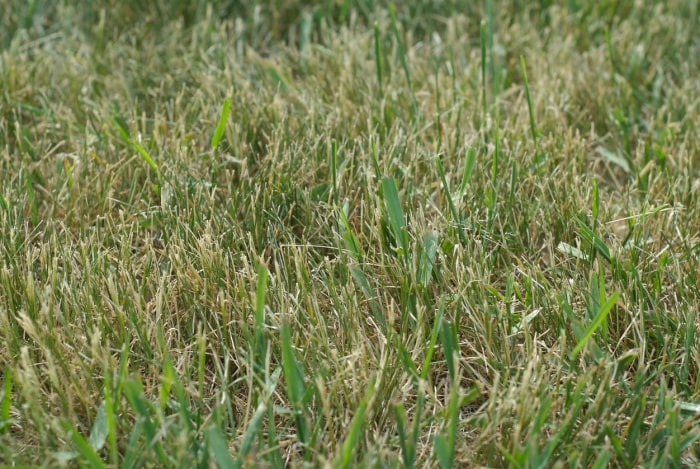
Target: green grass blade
(404, 61)
(251, 432)
(448, 194)
(260, 342)
(334, 169)
(437, 327)
(100, 430)
(371, 296)
(141, 406)
(531, 111)
(378, 60)
(349, 447)
(296, 388)
(467, 173)
(6, 401)
(83, 446)
(218, 449)
(427, 258)
(145, 155)
(596, 323)
(221, 125)
(407, 446)
(395, 213)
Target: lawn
(347, 233)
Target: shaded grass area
(244, 234)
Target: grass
(348, 234)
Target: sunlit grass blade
(6, 400)
(595, 323)
(221, 125)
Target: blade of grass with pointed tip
(533, 127)
(366, 288)
(6, 403)
(427, 258)
(449, 345)
(590, 236)
(395, 213)
(450, 202)
(260, 343)
(596, 323)
(378, 60)
(221, 125)
(404, 61)
(134, 395)
(334, 169)
(250, 433)
(296, 388)
(437, 326)
(408, 452)
(99, 431)
(111, 418)
(358, 420)
(124, 132)
(467, 173)
(352, 244)
(83, 446)
(218, 449)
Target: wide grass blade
(84, 448)
(221, 125)
(100, 430)
(395, 213)
(218, 449)
(427, 258)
